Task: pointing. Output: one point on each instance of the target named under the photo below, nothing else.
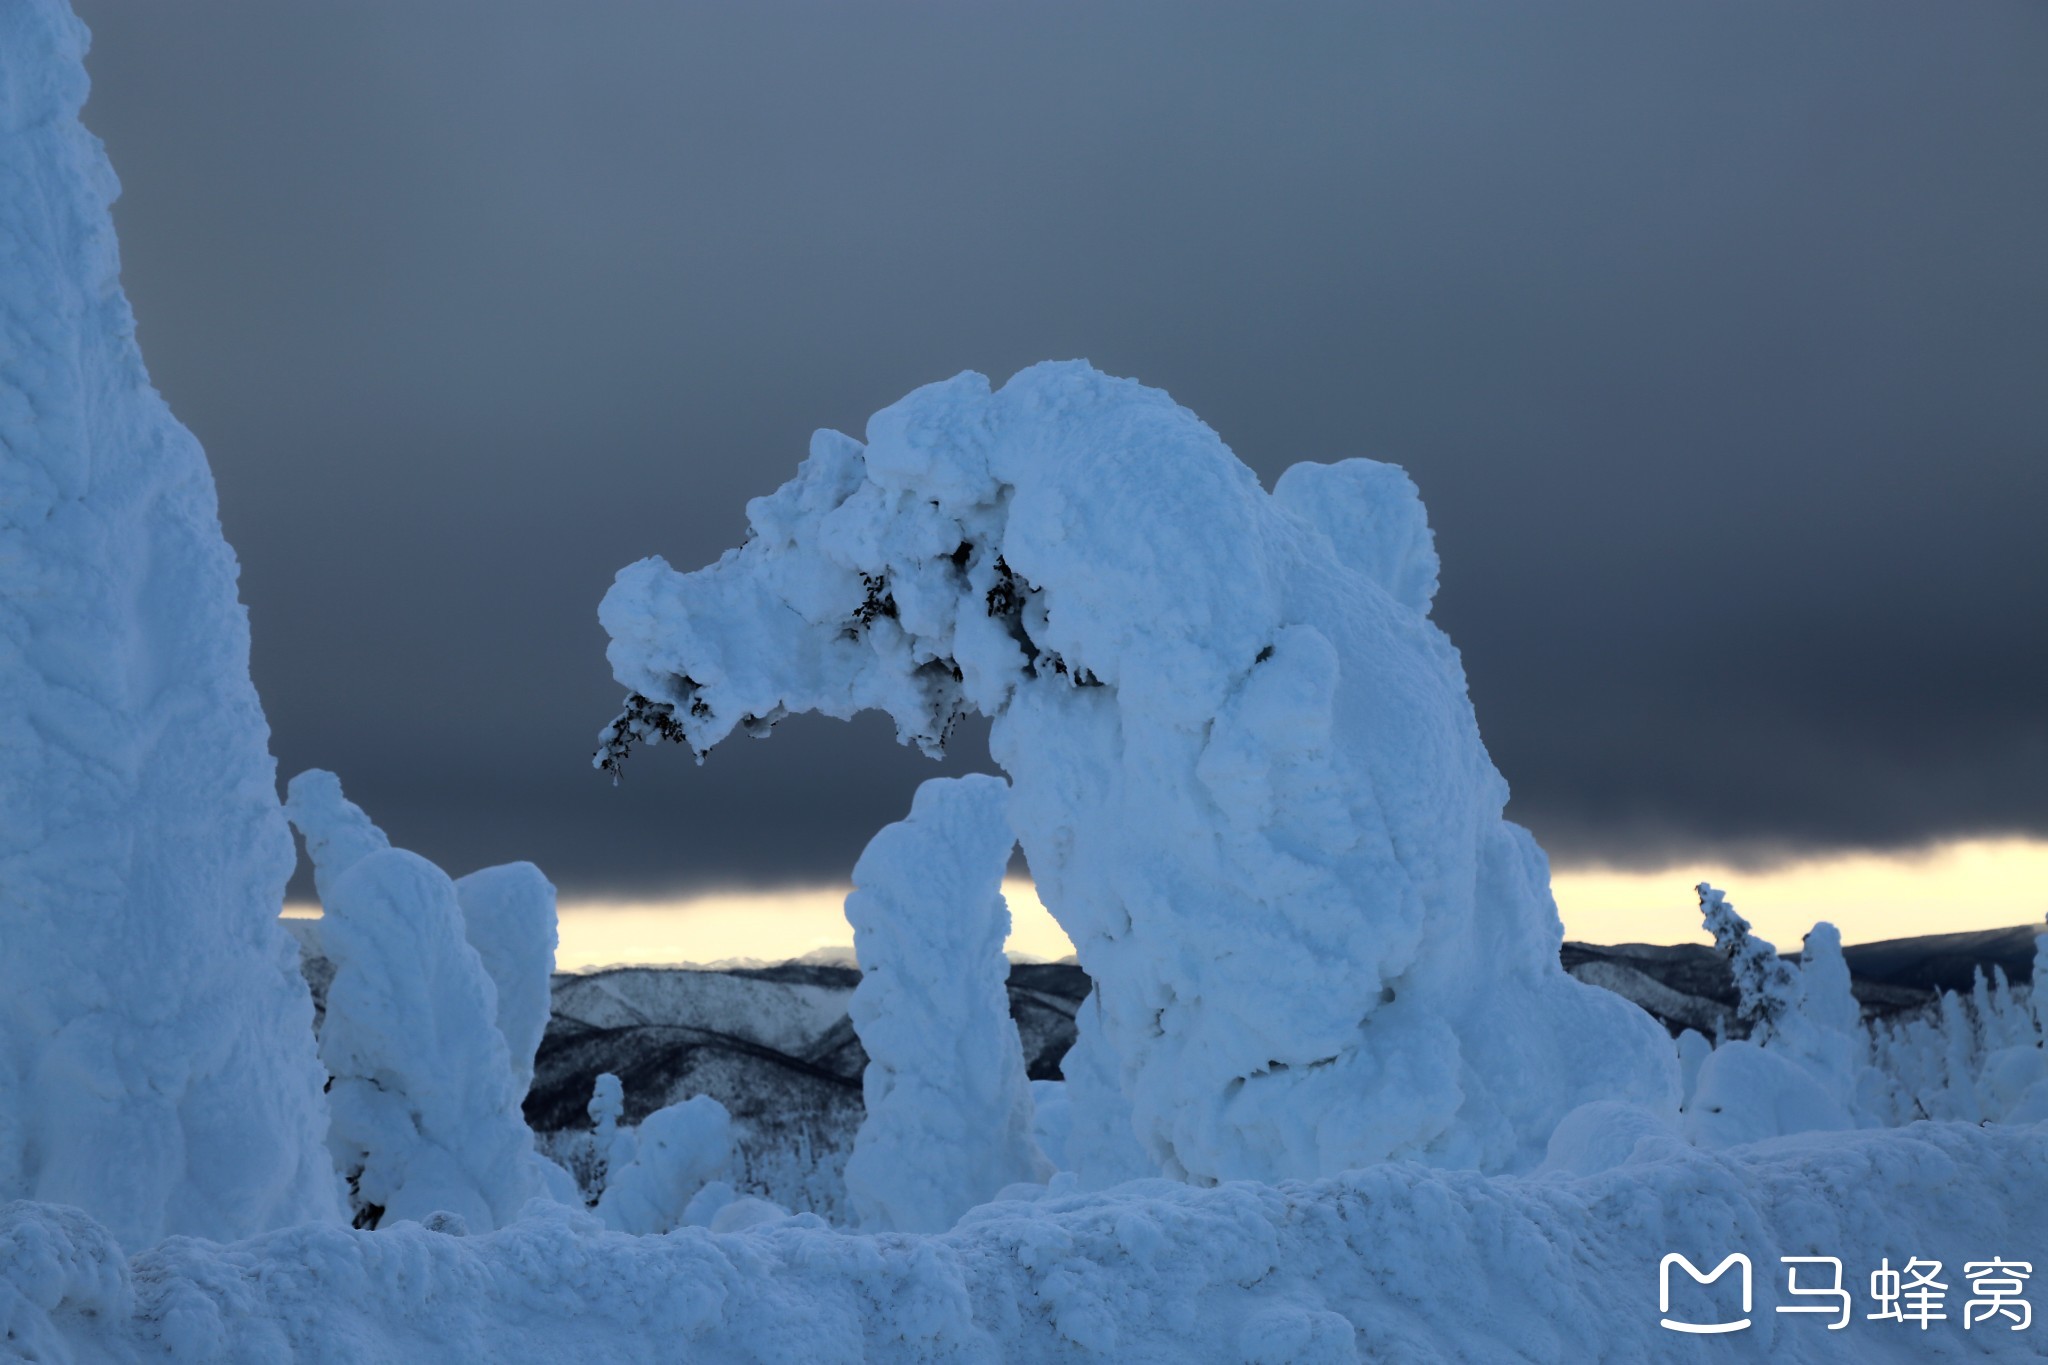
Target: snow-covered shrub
(677, 1150)
(1246, 771)
(948, 1118)
(425, 1105)
(156, 1055)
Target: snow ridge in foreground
(1398, 1262)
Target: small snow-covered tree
(425, 1105)
(1792, 1071)
(2037, 987)
(1836, 1044)
(157, 1066)
(610, 1145)
(1766, 986)
(948, 1108)
(1827, 995)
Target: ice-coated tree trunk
(157, 1065)
(948, 1109)
(1245, 768)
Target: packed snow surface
(1246, 773)
(1398, 1262)
(156, 1049)
(948, 1120)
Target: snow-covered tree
(1801, 1061)
(2037, 988)
(156, 1053)
(425, 1103)
(1766, 985)
(1246, 771)
(1826, 994)
(948, 1118)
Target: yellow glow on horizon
(765, 926)
(1965, 884)
(1969, 884)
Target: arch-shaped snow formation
(1245, 769)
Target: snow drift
(156, 1049)
(1245, 769)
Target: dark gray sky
(1715, 335)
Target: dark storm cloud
(1715, 336)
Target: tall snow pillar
(948, 1109)
(157, 1062)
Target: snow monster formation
(425, 1092)
(1244, 766)
(157, 1066)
